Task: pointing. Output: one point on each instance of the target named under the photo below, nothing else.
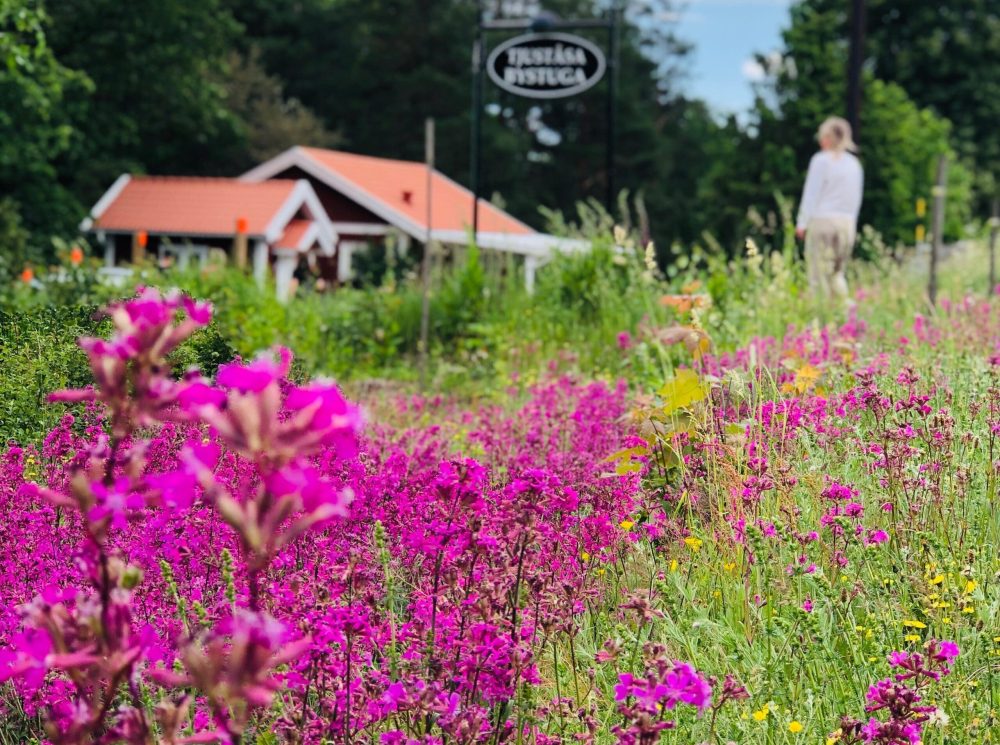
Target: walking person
(828, 211)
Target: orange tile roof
(181, 205)
(401, 185)
(294, 233)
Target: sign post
(545, 63)
(937, 225)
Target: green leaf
(685, 389)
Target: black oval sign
(546, 65)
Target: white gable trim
(105, 201)
(314, 234)
(361, 228)
(537, 244)
(303, 197)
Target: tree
(153, 107)
(946, 56)
(35, 126)
(268, 120)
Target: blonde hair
(838, 131)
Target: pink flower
(257, 375)
(877, 536)
(948, 650)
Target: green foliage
(35, 125)
(914, 138)
(945, 55)
(14, 252)
(39, 354)
(270, 121)
(155, 108)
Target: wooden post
(425, 303)
(994, 230)
(240, 243)
(140, 240)
(937, 226)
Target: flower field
(792, 539)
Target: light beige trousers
(829, 244)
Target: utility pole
(854, 63)
(994, 230)
(425, 302)
(937, 226)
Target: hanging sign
(546, 65)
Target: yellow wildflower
(693, 543)
(626, 524)
(729, 566)
(795, 727)
(584, 557)
(912, 637)
(761, 714)
(938, 580)
(915, 624)
(970, 587)
(806, 377)
(673, 565)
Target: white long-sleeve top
(834, 187)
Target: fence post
(937, 226)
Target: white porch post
(344, 251)
(284, 268)
(530, 265)
(260, 255)
(109, 249)
(403, 244)
(184, 256)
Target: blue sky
(726, 34)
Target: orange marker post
(140, 240)
(240, 243)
